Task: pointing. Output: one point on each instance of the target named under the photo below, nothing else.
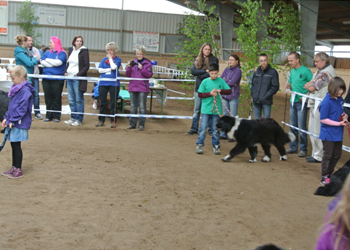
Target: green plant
(27, 20)
(270, 33)
(197, 29)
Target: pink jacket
(135, 72)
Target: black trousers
(17, 154)
(113, 94)
(53, 97)
(332, 151)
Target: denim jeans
(297, 118)
(259, 108)
(232, 106)
(138, 100)
(113, 96)
(76, 99)
(206, 122)
(197, 113)
(36, 96)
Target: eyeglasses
(262, 60)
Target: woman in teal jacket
(22, 56)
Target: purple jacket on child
(232, 76)
(20, 108)
(135, 72)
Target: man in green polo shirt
(298, 114)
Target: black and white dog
(336, 181)
(250, 133)
(4, 103)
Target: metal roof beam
(334, 28)
(343, 3)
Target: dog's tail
(291, 137)
(324, 191)
(288, 137)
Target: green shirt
(298, 78)
(208, 85)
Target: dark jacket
(20, 108)
(84, 65)
(201, 74)
(265, 84)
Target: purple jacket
(135, 72)
(20, 108)
(232, 76)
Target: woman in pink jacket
(138, 68)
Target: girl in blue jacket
(18, 117)
(333, 119)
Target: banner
(148, 39)
(3, 17)
(51, 15)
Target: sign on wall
(148, 39)
(51, 16)
(3, 17)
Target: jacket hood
(19, 49)
(29, 85)
(145, 60)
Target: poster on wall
(3, 17)
(148, 39)
(51, 16)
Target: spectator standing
(232, 76)
(318, 87)
(200, 69)
(265, 83)
(42, 50)
(78, 65)
(54, 63)
(34, 52)
(333, 119)
(22, 55)
(299, 75)
(140, 67)
(18, 117)
(109, 68)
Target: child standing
(333, 119)
(209, 88)
(18, 117)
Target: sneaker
(76, 123)
(141, 128)
(8, 172)
(17, 173)
(70, 121)
(56, 120)
(216, 150)
(99, 124)
(130, 127)
(191, 132)
(39, 116)
(199, 149)
(47, 120)
(302, 153)
(291, 151)
(325, 180)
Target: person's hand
(140, 66)
(288, 86)
(3, 123)
(344, 117)
(109, 56)
(207, 70)
(128, 65)
(214, 92)
(11, 125)
(66, 74)
(343, 123)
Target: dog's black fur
(4, 104)
(337, 181)
(269, 247)
(249, 133)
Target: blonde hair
(340, 217)
(113, 46)
(200, 61)
(19, 70)
(141, 49)
(20, 39)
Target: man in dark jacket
(265, 84)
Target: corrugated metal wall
(98, 26)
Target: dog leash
(6, 135)
(347, 125)
(215, 106)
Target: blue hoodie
(20, 108)
(22, 58)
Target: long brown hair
(201, 62)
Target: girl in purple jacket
(18, 117)
(138, 68)
(232, 76)
(336, 230)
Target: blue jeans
(207, 122)
(138, 100)
(197, 113)
(259, 108)
(232, 106)
(297, 118)
(76, 99)
(36, 95)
